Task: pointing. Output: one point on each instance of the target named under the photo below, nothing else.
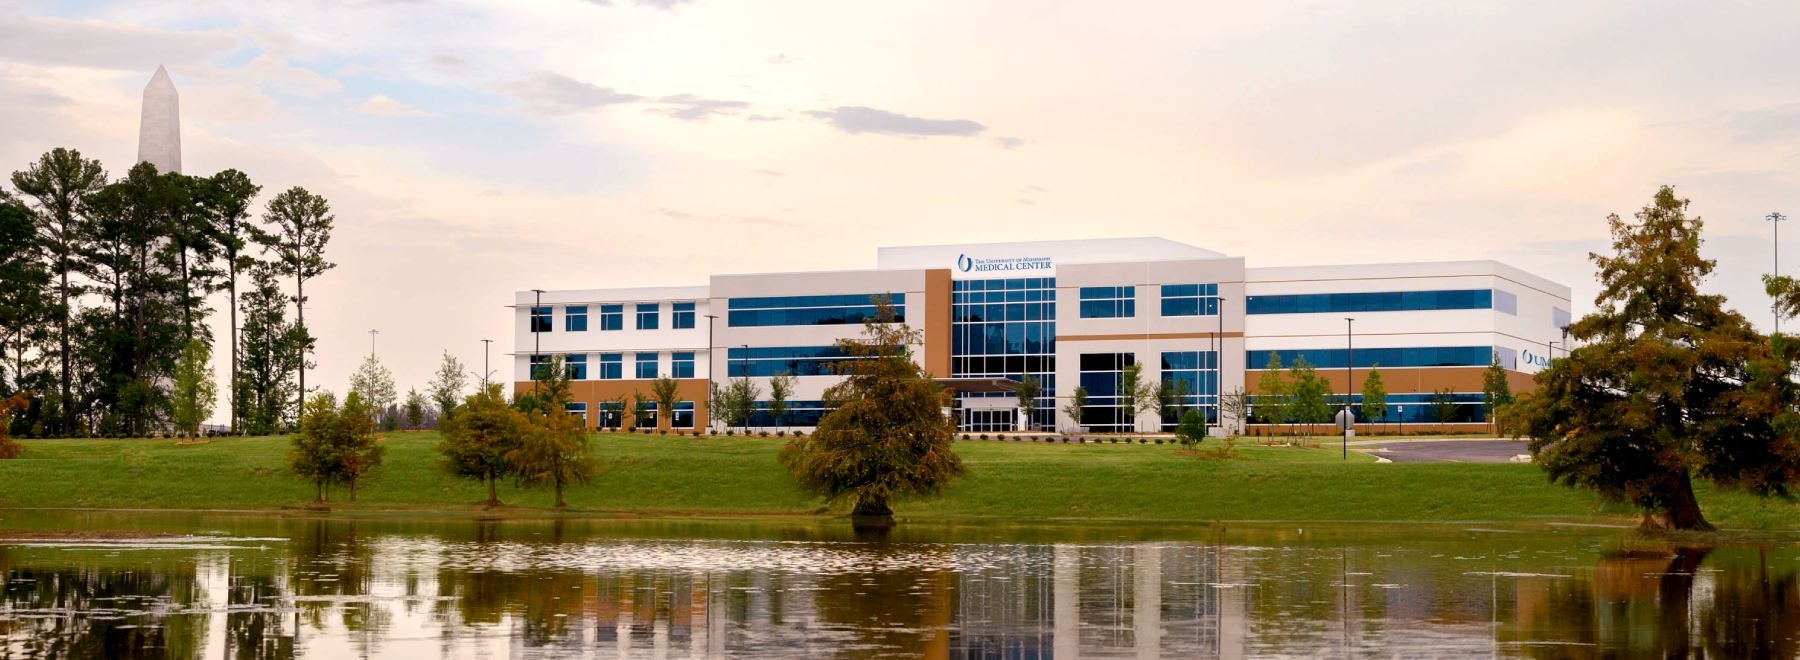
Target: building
(159, 127)
(1072, 314)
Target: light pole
(1219, 365)
(1349, 380)
(537, 338)
(1775, 220)
(372, 333)
(709, 367)
(752, 409)
(485, 372)
(1552, 345)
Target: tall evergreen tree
(59, 183)
(299, 228)
(25, 309)
(227, 200)
(266, 376)
(1665, 384)
(134, 347)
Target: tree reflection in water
(487, 589)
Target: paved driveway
(1447, 451)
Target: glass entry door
(988, 421)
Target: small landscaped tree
(554, 451)
(374, 384)
(314, 456)
(550, 387)
(716, 413)
(447, 386)
(478, 438)
(667, 392)
(621, 405)
(1308, 399)
(1028, 391)
(10, 448)
(1496, 392)
(358, 450)
(1191, 429)
(1374, 396)
(1274, 393)
(1443, 406)
(641, 413)
(415, 409)
(886, 437)
(740, 402)
(1167, 402)
(195, 389)
(781, 388)
(1078, 403)
(1135, 395)
(1235, 405)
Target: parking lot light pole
(1349, 380)
(710, 318)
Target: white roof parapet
(627, 295)
(1077, 251)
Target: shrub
(781, 434)
(984, 436)
(1159, 441)
(764, 434)
(730, 432)
(799, 434)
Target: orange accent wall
(593, 392)
(937, 322)
(1416, 380)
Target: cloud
(381, 105)
(690, 107)
(450, 65)
(551, 93)
(1009, 142)
(858, 119)
(275, 71)
(725, 219)
(98, 44)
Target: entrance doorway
(989, 420)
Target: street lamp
(372, 333)
(1775, 220)
(1349, 380)
(1219, 365)
(485, 372)
(747, 377)
(709, 365)
(537, 338)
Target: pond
(275, 586)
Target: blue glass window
(681, 316)
(1108, 302)
(1100, 375)
(1333, 358)
(848, 309)
(577, 409)
(539, 364)
(798, 413)
(1190, 299)
(612, 366)
(684, 415)
(1389, 301)
(647, 315)
(575, 318)
(681, 365)
(576, 365)
(1005, 328)
(540, 319)
(646, 365)
(764, 361)
(1194, 377)
(612, 317)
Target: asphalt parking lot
(1447, 451)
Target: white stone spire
(159, 131)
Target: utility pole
(747, 378)
(1775, 220)
(537, 338)
(1349, 380)
(372, 333)
(1219, 367)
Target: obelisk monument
(159, 131)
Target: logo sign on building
(982, 267)
(1534, 359)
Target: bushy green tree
(10, 448)
(1028, 391)
(336, 444)
(667, 393)
(59, 185)
(28, 314)
(1665, 384)
(361, 451)
(1274, 396)
(447, 386)
(554, 451)
(1308, 395)
(195, 389)
(1443, 406)
(1495, 390)
(415, 409)
(885, 437)
(478, 438)
(781, 388)
(740, 401)
(1191, 429)
(1374, 396)
(270, 357)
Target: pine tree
(60, 183)
(299, 228)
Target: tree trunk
(233, 381)
(560, 504)
(319, 491)
(68, 411)
(300, 313)
(493, 499)
(1683, 508)
(871, 505)
(353, 490)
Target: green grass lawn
(1016, 481)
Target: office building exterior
(1072, 314)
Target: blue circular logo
(964, 263)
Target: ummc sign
(1534, 359)
(1004, 266)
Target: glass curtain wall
(1005, 328)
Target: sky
(471, 149)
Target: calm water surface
(277, 587)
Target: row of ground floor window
(1402, 408)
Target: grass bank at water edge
(668, 475)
